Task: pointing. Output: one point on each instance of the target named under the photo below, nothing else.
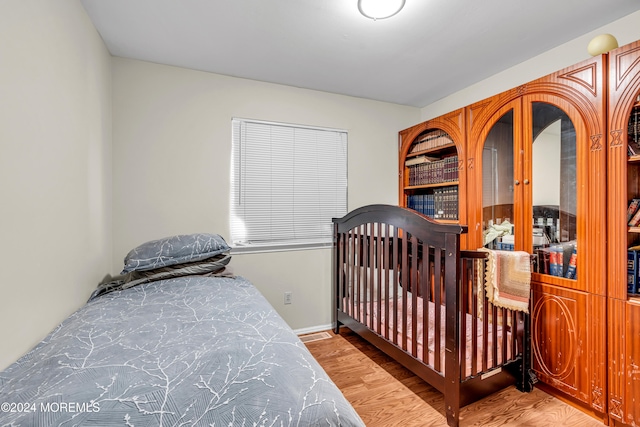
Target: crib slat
(425, 288)
(354, 286)
(484, 352)
(396, 264)
(360, 276)
(437, 315)
(349, 272)
(387, 269)
(495, 321)
(404, 271)
(466, 275)
(474, 319)
(368, 241)
(341, 273)
(504, 340)
(516, 320)
(413, 285)
(379, 267)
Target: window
(287, 183)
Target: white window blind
(287, 182)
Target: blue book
(632, 271)
(571, 270)
(553, 263)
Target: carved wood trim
(596, 144)
(615, 407)
(521, 90)
(623, 67)
(566, 366)
(597, 394)
(616, 138)
(584, 76)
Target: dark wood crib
(402, 283)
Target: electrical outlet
(287, 297)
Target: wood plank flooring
(385, 394)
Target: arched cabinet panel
(432, 176)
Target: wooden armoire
(544, 168)
(623, 185)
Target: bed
(175, 340)
(403, 284)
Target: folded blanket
(508, 279)
(497, 230)
(214, 266)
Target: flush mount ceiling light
(380, 9)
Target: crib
(402, 283)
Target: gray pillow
(174, 250)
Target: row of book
(441, 204)
(634, 127)
(560, 260)
(504, 246)
(430, 141)
(633, 272)
(423, 170)
(633, 213)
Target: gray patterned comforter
(189, 351)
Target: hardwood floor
(386, 394)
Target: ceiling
(431, 49)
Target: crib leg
(527, 377)
(453, 414)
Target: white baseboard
(313, 329)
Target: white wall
(171, 156)
(55, 167)
(626, 30)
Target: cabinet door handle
(526, 182)
(517, 182)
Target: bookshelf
(623, 176)
(430, 167)
(633, 130)
(633, 210)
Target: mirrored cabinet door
(554, 237)
(498, 185)
(529, 192)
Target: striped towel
(508, 279)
